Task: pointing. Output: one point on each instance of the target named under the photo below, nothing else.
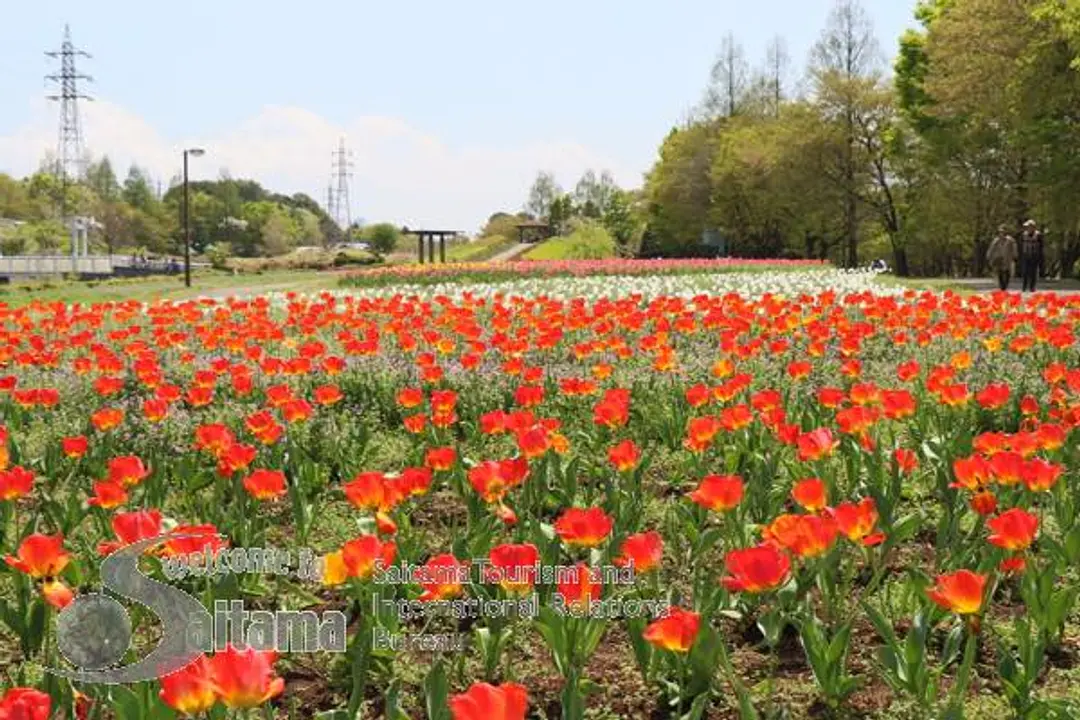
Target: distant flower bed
(488, 271)
(746, 282)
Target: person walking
(1031, 254)
(1001, 256)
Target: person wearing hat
(1031, 254)
(1001, 256)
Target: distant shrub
(589, 241)
(383, 237)
(218, 255)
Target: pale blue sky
(451, 108)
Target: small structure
(532, 231)
(429, 236)
(80, 228)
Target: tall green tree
(846, 54)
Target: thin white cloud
(402, 174)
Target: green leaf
(436, 693)
(125, 703)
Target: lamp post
(193, 152)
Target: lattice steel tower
(342, 171)
(71, 163)
(330, 201)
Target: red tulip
(578, 586)
(1013, 529)
(816, 444)
(442, 578)
(856, 521)
(23, 703)
(718, 493)
(757, 569)
(265, 484)
(625, 456)
(190, 691)
(810, 494)
(245, 679)
(514, 567)
(481, 701)
(584, 527)
(643, 552)
(15, 483)
(74, 447)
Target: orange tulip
(984, 503)
(856, 521)
(676, 632)
(960, 592)
(192, 539)
(700, 433)
(362, 556)
(106, 419)
(805, 535)
(327, 395)
(1040, 475)
(40, 556)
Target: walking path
(513, 253)
(1065, 287)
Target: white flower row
(750, 285)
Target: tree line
(229, 216)
(976, 125)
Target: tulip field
(785, 493)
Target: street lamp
(193, 152)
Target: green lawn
(211, 283)
(975, 285)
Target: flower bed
(650, 499)
(514, 270)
